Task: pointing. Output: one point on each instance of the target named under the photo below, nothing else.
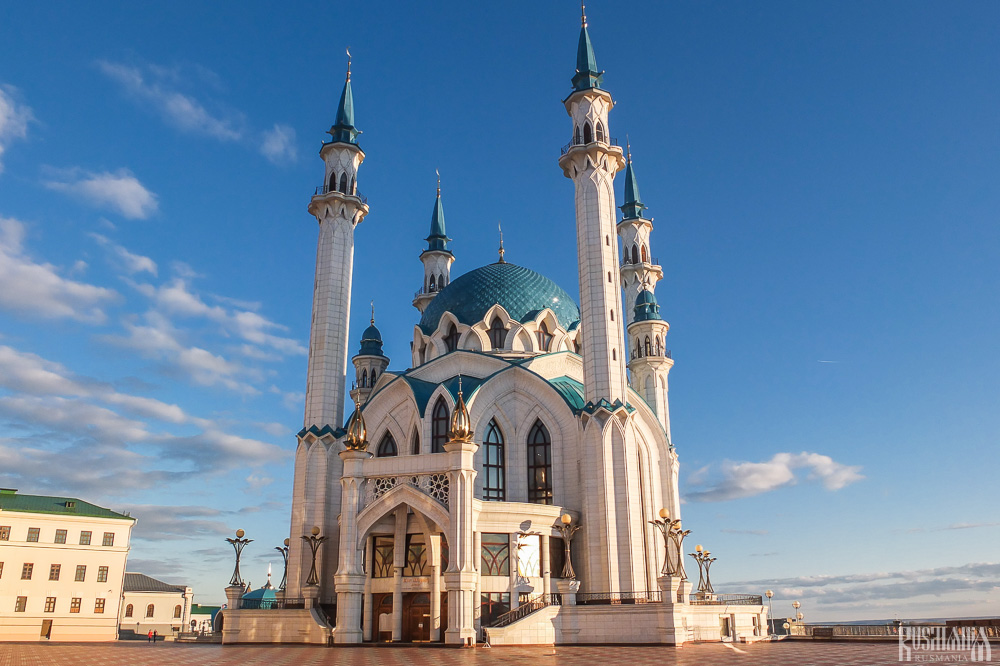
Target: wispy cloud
(120, 191)
(37, 289)
(14, 118)
(155, 89)
(131, 262)
(746, 479)
(278, 144)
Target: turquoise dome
(646, 307)
(520, 291)
(371, 342)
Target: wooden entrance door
(382, 617)
(416, 617)
(46, 629)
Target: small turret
(639, 270)
(437, 258)
(649, 360)
(369, 363)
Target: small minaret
(591, 161)
(370, 362)
(639, 270)
(650, 361)
(437, 258)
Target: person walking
(156, 635)
(149, 636)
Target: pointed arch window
(354, 189)
(657, 347)
(635, 254)
(451, 340)
(601, 136)
(576, 135)
(539, 465)
(343, 182)
(431, 285)
(439, 426)
(588, 134)
(645, 257)
(415, 442)
(333, 182)
(371, 380)
(494, 488)
(638, 348)
(544, 337)
(364, 379)
(387, 447)
(498, 333)
(647, 348)
(128, 610)
(441, 284)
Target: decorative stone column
(366, 618)
(546, 565)
(234, 594)
(350, 579)
(568, 587)
(435, 550)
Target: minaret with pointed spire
(437, 258)
(369, 363)
(338, 209)
(638, 268)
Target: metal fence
(618, 598)
(526, 608)
(271, 604)
(727, 599)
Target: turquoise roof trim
(336, 433)
(571, 391)
(522, 292)
(633, 206)
(422, 391)
(587, 75)
(343, 130)
(438, 239)
(11, 500)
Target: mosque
(517, 483)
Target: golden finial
(583, 14)
(628, 148)
(501, 249)
(373, 312)
(439, 181)
(357, 432)
(461, 426)
(348, 63)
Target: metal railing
(727, 599)
(526, 608)
(272, 604)
(324, 189)
(653, 261)
(665, 353)
(565, 149)
(618, 598)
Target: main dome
(520, 291)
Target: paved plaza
(785, 653)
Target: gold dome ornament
(357, 433)
(461, 425)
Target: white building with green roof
(62, 565)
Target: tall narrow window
(54, 571)
(343, 183)
(431, 286)
(102, 574)
(33, 533)
(638, 348)
(354, 189)
(415, 442)
(493, 464)
(177, 611)
(588, 134)
(645, 257)
(364, 379)
(4, 532)
(439, 426)
(539, 465)
(498, 333)
(81, 573)
(648, 350)
(451, 340)
(149, 610)
(26, 570)
(383, 557)
(600, 131)
(74, 606)
(50, 604)
(544, 337)
(635, 254)
(387, 447)
(128, 610)
(576, 135)
(495, 555)
(333, 183)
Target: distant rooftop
(11, 500)
(137, 582)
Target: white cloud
(746, 479)
(182, 111)
(278, 144)
(132, 263)
(120, 191)
(14, 119)
(36, 289)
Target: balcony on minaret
(327, 189)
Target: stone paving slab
(784, 653)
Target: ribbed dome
(371, 342)
(521, 291)
(646, 307)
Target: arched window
(149, 610)
(128, 611)
(441, 284)
(600, 131)
(588, 134)
(333, 182)
(493, 464)
(635, 254)
(371, 380)
(609, 277)
(544, 337)
(364, 379)
(637, 348)
(343, 182)
(439, 426)
(430, 286)
(451, 340)
(645, 257)
(647, 348)
(657, 347)
(415, 442)
(539, 465)
(177, 611)
(387, 447)
(576, 135)
(498, 333)
(354, 189)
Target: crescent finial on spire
(348, 63)
(583, 13)
(373, 312)
(439, 180)
(500, 229)
(628, 148)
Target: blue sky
(823, 178)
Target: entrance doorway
(416, 617)
(725, 629)
(46, 629)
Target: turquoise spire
(587, 75)
(344, 131)
(646, 307)
(438, 239)
(633, 206)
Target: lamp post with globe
(770, 626)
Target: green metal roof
(438, 239)
(343, 130)
(371, 342)
(422, 390)
(11, 500)
(646, 307)
(633, 206)
(522, 292)
(571, 391)
(587, 75)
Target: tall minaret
(316, 494)
(437, 258)
(639, 269)
(591, 161)
(338, 209)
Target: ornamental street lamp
(315, 541)
(239, 543)
(567, 530)
(769, 594)
(673, 537)
(284, 555)
(701, 556)
(796, 605)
